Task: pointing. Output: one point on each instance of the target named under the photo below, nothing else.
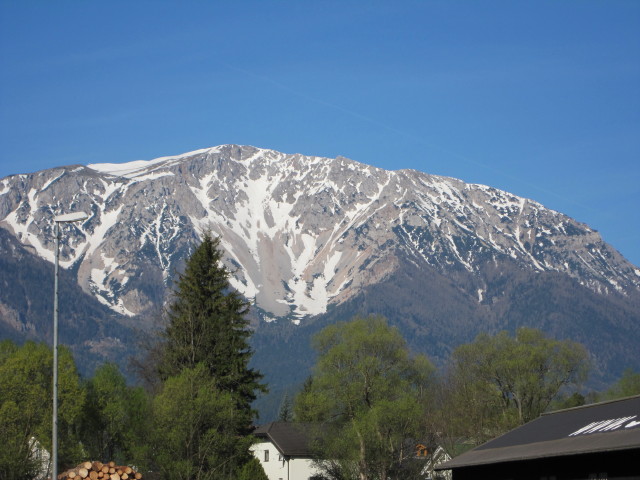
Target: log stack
(100, 471)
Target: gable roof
(601, 427)
(290, 439)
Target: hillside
(310, 241)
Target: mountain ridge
(350, 197)
(307, 237)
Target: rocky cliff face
(314, 240)
(302, 233)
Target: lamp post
(68, 218)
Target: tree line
(367, 404)
(193, 419)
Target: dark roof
(600, 427)
(291, 439)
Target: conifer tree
(207, 325)
(203, 412)
(285, 414)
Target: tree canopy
(196, 428)
(370, 397)
(115, 416)
(498, 382)
(627, 385)
(26, 407)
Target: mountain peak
(311, 240)
(302, 233)
(137, 168)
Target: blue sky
(538, 98)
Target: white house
(284, 452)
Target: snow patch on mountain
(300, 232)
(138, 167)
(21, 231)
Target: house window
(266, 455)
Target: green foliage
(26, 407)
(203, 413)
(627, 386)
(252, 470)
(527, 371)
(372, 398)
(499, 382)
(207, 325)
(576, 399)
(115, 418)
(196, 428)
(285, 413)
(17, 460)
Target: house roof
(600, 427)
(291, 439)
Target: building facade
(284, 452)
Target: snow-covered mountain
(310, 241)
(302, 233)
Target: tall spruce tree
(207, 324)
(203, 411)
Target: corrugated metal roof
(600, 427)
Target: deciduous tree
(26, 407)
(370, 397)
(252, 470)
(527, 371)
(627, 385)
(498, 382)
(115, 418)
(196, 428)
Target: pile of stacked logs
(100, 471)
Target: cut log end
(100, 471)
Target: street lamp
(68, 218)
